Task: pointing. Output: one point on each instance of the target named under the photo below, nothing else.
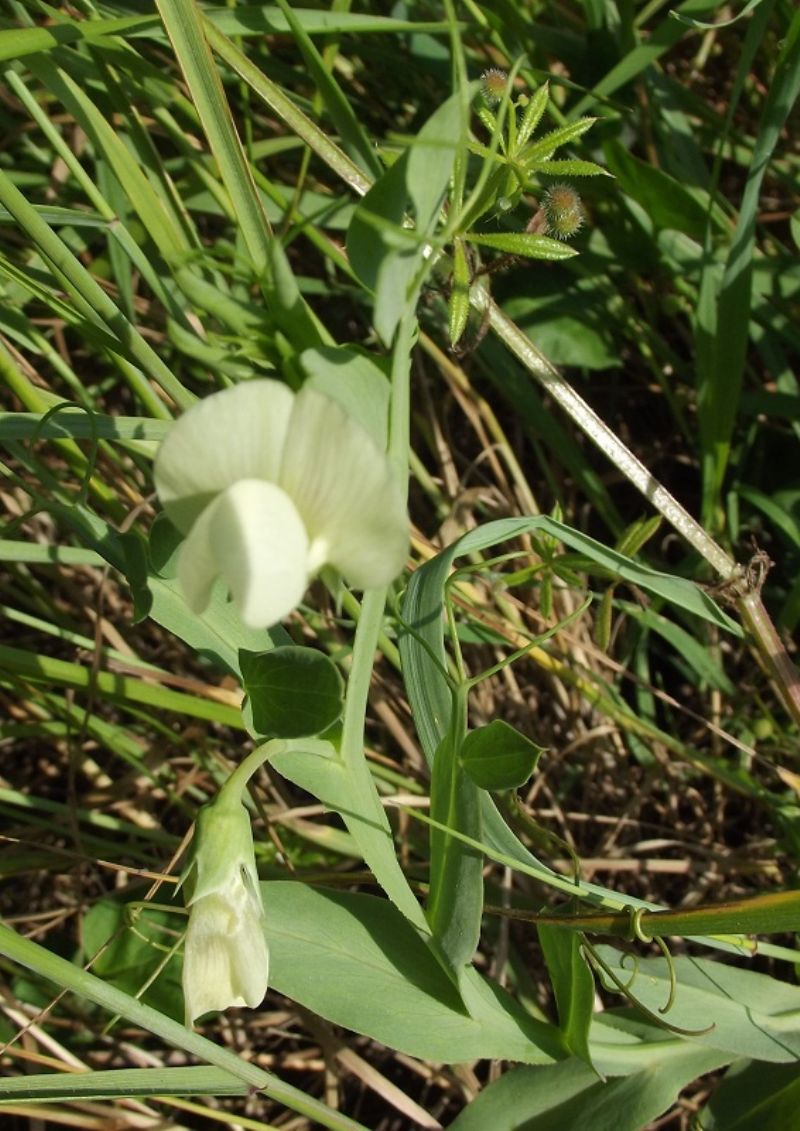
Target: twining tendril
(605, 971)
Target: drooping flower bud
(226, 959)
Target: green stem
(370, 811)
(233, 789)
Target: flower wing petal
(345, 489)
(235, 434)
(252, 536)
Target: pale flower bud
(226, 960)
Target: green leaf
(667, 202)
(573, 167)
(355, 961)
(383, 253)
(91, 988)
(569, 1096)
(291, 692)
(315, 766)
(422, 609)
(532, 157)
(497, 756)
(112, 1083)
(755, 1097)
(564, 316)
(352, 136)
(752, 1014)
(455, 903)
(387, 256)
(750, 6)
(530, 245)
(353, 380)
(532, 114)
(573, 985)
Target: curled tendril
(638, 932)
(602, 968)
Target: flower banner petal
(252, 536)
(235, 434)
(345, 489)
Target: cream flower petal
(252, 536)
(344, 488)
(226, 959)
(236, 434)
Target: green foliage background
(191, 196)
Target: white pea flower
(269, 486)
(226, 959)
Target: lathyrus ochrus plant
(268, 487)
(513, 164)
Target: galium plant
(512, 166)
(271, 481)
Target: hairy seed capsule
(493, 85)
(563, 210)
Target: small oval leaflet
(498, 757)
(292, 692)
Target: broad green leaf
(497, 756)
(565, 317)
(315, 766)
(383, 253)
(523, 243)
(569, 1097)
(573, 985)
(423, 606)
(291, 692)
(355, 961)
(752, 1014)
(755, 1097)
